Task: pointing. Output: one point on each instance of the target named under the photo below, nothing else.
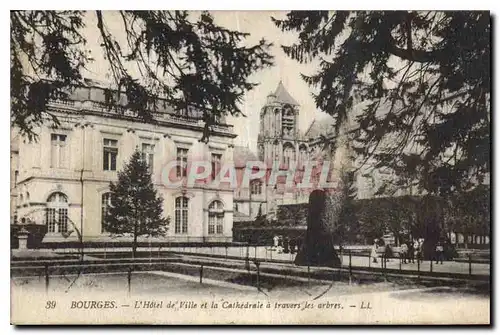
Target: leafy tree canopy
(191, 62)
(414, 88)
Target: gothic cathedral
(279, 140)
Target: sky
(259, 25)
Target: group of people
(285, 245)
(412, 251)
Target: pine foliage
(416, 85)
(136, 208)
(184, 58)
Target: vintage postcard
(250, 167)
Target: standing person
(286, 245)
(276, 241)
(387, 253)
(374, 251)
(439, 252)
(410, 252)
(292, 246)
(280, 244)
(416, 250)
(403, 252)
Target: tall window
(256, 187)
(276, 151)
(105, 204)
(181, 215)
(261, 152)
(288, 121)
(216, 218)
(181, 162)
(216, 164)
(110, 153)
(148, 155)
(289, 154)
(58, 151)
(277, 123)
(303, 154)
(56, 214)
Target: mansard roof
(283, 96)
(242, 155)
(323, 126)
(91, 99)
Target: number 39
(51, 304)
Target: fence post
(470, 265)
(418, 268)
(369, 261)
(431, 265)
(46, 278)
(255, 248)
(308, 276)
(201, 274)
(257, 264)
(350, 267)
(129, 278)
(150, 251)
(400, 261)
(226, 251)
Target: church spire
(283, 96)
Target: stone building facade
(62, 179)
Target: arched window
(289, 154)
(288, 120)
(269, 123)
(57, 213)
(261, 152)
(276, 150)
(216, 218)
(105, 204)
(277, 123)
(181, 215)
(256, 187)
(302, 154)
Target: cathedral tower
(279, 139)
